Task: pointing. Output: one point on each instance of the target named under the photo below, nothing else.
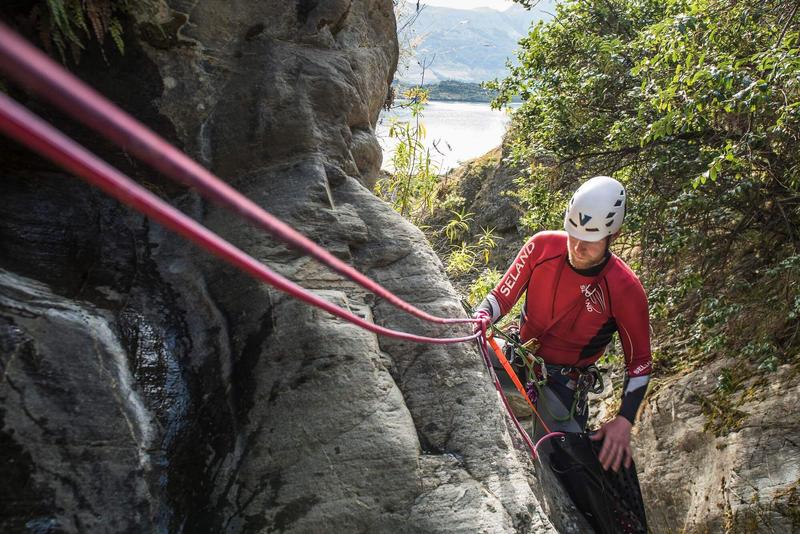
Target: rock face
(147, 387)
(727, 463)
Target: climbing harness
(539, 374)
(581, 380)
(519, 351)
(532, 371)
(611, 501)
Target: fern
(58, 12)
(115, 30)
(95, 15)
(75, 16)
(64, 25)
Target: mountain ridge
(469, 45)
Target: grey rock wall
(739, 474)
(148, 387)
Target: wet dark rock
(51, 228)
(70, 416)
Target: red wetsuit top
(579, 338)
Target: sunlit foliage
(411, 185)
(695, 106)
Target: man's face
(585, 254)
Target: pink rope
(484, 350)
(21, 124)
(546, 437)
(41, 75)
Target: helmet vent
(618, 203)
(592, 230)
(609, 223)
(573, 223)
(610, 215)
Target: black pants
(610, 501)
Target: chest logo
(595, 299)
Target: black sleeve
(633, 391)
(490, 306)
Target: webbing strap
(484, 350)
(514, 378)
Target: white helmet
(596, 210)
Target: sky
(470, 4)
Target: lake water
(460, 130)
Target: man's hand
(617, 443)
(483, 316)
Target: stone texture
(746, 480)
(367, 155)
(73, 428)
(149, 387)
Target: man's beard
(588, 264)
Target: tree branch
(786, 26)
(624, 151)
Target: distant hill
(469, 45)
(452, 90)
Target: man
(578, 295)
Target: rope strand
(19, 123)
(42, 76)
(35, 71)
(484, 350)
